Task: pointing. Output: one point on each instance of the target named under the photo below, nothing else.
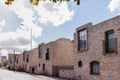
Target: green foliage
(36, 2)
(31, 1)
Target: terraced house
(15, 62)
(97, 51)
(11, 62)
(55, 55)
(47, 59)
(32, 61)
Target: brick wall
(67, 72)
(63, 52)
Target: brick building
(32, 61)
(46, 59)
(11, 61)
(55, 55)
(97, 51)
(20, 63)
(94, 54)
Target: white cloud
(19, 40)
(4, 52)
(2, 24)
(48, 12)
(27, 15)
(31, 16)
(55, 13)
(114, 5)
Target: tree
(0, 64)
(36, 2)
(5, 63)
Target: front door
(55, 71)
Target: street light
(14, 59)
(30, 33)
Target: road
(11, 75)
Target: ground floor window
(79, 63)
(95, 67)
(43, 67)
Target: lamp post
(14, 59)
(30, 35)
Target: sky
(48, 21)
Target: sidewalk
(41, 77)
(48, 77)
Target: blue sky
(49, 21)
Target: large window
(110, 41)
(95, 67)
(82, 39)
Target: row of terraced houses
(94, 54)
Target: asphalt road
(11, 75)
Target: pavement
(11, 75)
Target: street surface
(11, 75)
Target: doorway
(43, 67)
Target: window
(39, 52)
(27, 59)
(17, 60)
(10, 60)
(39, 64)
(80, 64)
(110, 41)
(95, 67)
(43, 67)
(82, 39)
(47, 54)
(24, 55)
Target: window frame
(39, 52)
(85, 31)
(107, 33)
(92, 66)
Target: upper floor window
(82, 39)
(27, 59)
(17, 60)
(10, 60)
(110, 41)
(39, 64)
(39, 52)
(47, 54)
(95, 67)
(24, 55)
